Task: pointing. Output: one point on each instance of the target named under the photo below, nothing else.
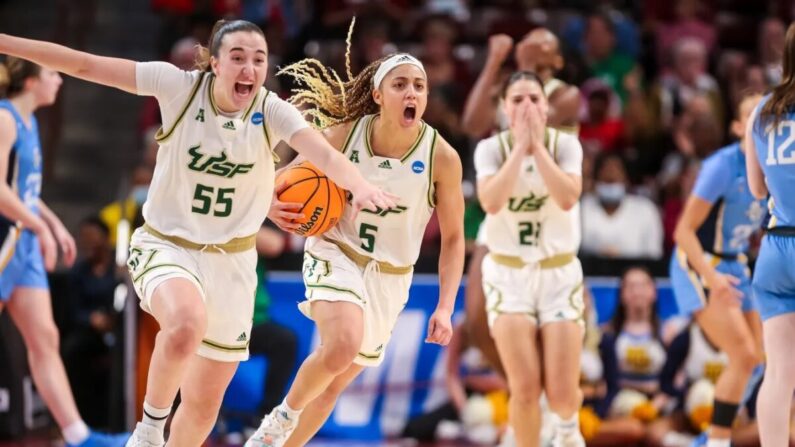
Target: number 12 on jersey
(528, 233)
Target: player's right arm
(756, 178)
(712, 181)
(11, 205)
(110, 71)
(283, 213)
(480, 110)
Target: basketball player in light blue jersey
(710, 275)
(771, 170)
(28, 235)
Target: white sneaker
(146, 436)
(274, 430)
(571, 440)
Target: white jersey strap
(161, 135)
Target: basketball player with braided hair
(357, 275)
(194, 263)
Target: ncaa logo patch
(418, 167)
(257, 118)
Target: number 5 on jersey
(207, 198)
(367, 235)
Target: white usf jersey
(392, 235)
(531, 225)
(214, 176)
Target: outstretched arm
(449, 200)
(110, 71)
(312, 145)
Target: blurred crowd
(659, 84)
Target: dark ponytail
(221, 29)
(13, 74)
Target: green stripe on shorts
(222, 347)
(335, 289)
(154, 267)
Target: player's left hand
(440, 328)
(283, 214)
(67, 244)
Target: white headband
(392, 62)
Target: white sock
(155, 417)
(718, 442)
(291, 414)
(76, 433)
(566, 427)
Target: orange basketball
(323, 200)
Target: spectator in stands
(687, 80)
(602, 57)
(539, 51)
(601, 130)
(599, 385)
(446, 74)
(694, 361)
(87, 350)
(688, 23)
(617, 224)
(634, 335)
(130, 208)
(771, 49)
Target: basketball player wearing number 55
(193, 263)
(529, 183)
(357, 274)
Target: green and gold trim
(161, 136)
(368, 133)
(431, 157)
(155, 267)
(367, 356)
(335, 289)
(351, 133)
(224, 347)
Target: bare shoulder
(8, 126)
(336, 135)
(445, 158)
(8, 131)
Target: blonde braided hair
(324, 98)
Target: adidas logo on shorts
(242, 337)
